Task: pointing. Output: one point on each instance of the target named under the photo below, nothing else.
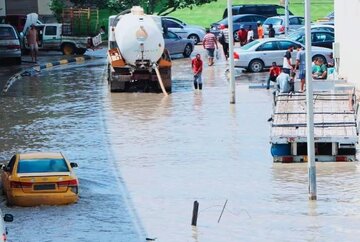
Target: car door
(268, 53)
(175, 27)
(51, 38)
(7, 172)
(173, 43)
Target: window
(245, 19)
(170, 35)
(284, 45)
(42, 165)
(293, 21)
(11, 163)
(7, 33)
(268, 46)
(171, 24)
(50, 30)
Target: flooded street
(145, 158)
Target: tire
(80, 51)
(68, 49)
(187, 51)
(321, 57)
(256, 65)
(18, 60)
(195, 38)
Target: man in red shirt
(273, 74)
(242, 35)
(197, 66)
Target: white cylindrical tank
(139, 37)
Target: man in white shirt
(287, 65)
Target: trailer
(335, 127)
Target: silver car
(259, 54)
(177, 45)
(9, 43)
(193, 32)
(278, 23)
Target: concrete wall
(44, 8)
(347, 33)
(2, 8)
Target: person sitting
(283, 83)
(273, 74)
(319, 70)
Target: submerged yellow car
(39, 179)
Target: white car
(259, 54)
(193, 32)
(6, 218)
(278, 23)
(9, 43)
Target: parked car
(3, 229)
(267, 10)
(177, 45)
(318, 27)
(278, 23)
(9, 43)
(193, 32)
(33, 179)
(318, 38)
(238, 20)
(258, 54)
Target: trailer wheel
(68, 49)
(80, 51)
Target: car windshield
(7, 33)
(249, 45)
(42, 165)
(296, 35)
(273, 21)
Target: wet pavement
(145, 158)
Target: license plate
(44, 187)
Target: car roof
(283, 17)
(252, 5)
(6, 25)
(41, 155)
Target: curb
(38, 68)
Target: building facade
(40, 7)
(347, 34)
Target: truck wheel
(187, 51)
(68, 49)
(80, 51)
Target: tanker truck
(137, 58)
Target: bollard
(195, 213)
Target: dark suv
(267, 10)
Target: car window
(170, 35)
(268, 46)
(42, 165)
(247, 10)
(249, 45)
(284, 45)
(172, 24)
(273, 21)
(246, 19)
(293, 21)
(11, 163)
(266, 11)
(7, 33)
(50, 30)
(281, 11)
(322, 37)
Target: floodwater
(145, 158)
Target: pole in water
(195, 213)
(222, 211)
(231, 53)
(160, 80)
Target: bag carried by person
(222, 39)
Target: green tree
(56, 6)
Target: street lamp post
(231, 52)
